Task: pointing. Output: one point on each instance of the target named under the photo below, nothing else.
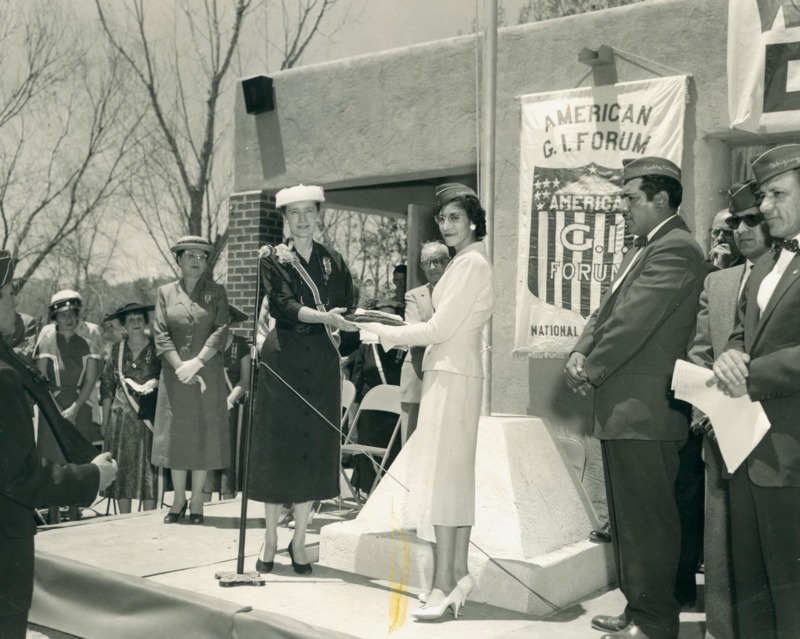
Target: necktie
(641, 242)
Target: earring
(472, 227)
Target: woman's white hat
(299, 193)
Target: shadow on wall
(270, 142)
(570, 415)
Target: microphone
(266, 251)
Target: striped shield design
(577, 235)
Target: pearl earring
(472, 227)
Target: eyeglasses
(752, 219)
(196, 255)
(436, 261)
(453, 218)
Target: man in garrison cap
(716, 316)
(24, 482)
(762, 360)
(626, 354)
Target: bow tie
(789, 245)
(641, 242)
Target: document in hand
(739, 423)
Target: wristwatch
(202, 361)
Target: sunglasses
(436, 261)
(751, 220)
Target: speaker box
(258, 94)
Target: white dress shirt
(770, 282)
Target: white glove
(186, 371)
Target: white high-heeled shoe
(466, 584)
(438, 604)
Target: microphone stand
(251, 577)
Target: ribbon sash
(131, 400)
(333, 333)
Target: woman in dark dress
(295, 449)
(69, 352)
(127, 392)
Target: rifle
(74, 446)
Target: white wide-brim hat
(299, 193)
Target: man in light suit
(762, 360)
(434, 259)
(627, 353)
(715, 322)
(26, 483)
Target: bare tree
(66, 132)
(302, 22)
(173, 187)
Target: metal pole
(242, 577)
(487, 168)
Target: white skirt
(442, 485)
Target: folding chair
(384, 398)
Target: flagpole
(487, 168)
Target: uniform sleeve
(108, 381)
(161, 334)
(222, 318)
(95, 341)
(23, 479)
(461, 290)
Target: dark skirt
(294, 456)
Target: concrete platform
(186, 557)
(528, 549)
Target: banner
(764, 65)
(571, 230)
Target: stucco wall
(410, 114)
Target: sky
(352, 28)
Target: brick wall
(253, 221)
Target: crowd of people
(732, 311)
(172, 399)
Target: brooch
(326, 266)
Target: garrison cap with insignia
(450, 191)
(776, 161)
(744, 196)
(651, 165)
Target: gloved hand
(186, 371)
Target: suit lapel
(788, 279)
(606, 304)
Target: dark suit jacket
(773, 342)
(637, 333)
(25, 484)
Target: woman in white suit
(443, 489)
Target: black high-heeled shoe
(264, 566)
(300, 569)
(196, 518)
(172, 518)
